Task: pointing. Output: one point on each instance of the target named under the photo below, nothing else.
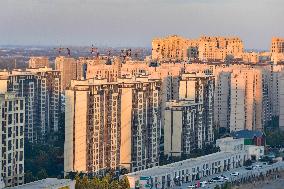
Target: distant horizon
(129, 23)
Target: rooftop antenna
(68, 51)
(15, 63)
(59, 50)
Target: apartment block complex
(172, 48)
(41, 90)
(12, 119)
(38, 62)
(206, 48)
(218, 48)
(112, 124)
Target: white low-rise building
(187, 170)
(233, 154)
(49, 183)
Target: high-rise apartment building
(68, 69)
(112, 124)
(189, 121)
(218, 48)
(98, 68)
(184, 120)
(277, 49)
(172, 48)
(41, 90)
(12, 119)
(38, 62)
(222, 99)
(248, 99)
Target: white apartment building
(222, 99)
(183, 121)
(12, 119)
(281, 99)
(41, 89)
(250, 99)
(112, 124)
(199, 88)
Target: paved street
(243, 174)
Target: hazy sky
(136, 22)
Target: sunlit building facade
(112, 124)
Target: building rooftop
(247, 134)
(160, 170)
(49, 183)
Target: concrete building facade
(112, 125)
(12, 119)
(38, 62)
(41, 90)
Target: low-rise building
(49, 183)
(233, 155)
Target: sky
(135, 23)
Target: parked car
(257, 166)
(191, 186)
(235, 173)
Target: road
(243, 174)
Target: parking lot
(260, 169)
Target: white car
(258, 166)
(235, 173)
(203, 184)
(191, 186)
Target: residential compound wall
(41, 90)
(112, 124)
(12, 119)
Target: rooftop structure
(49, 183)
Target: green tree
(114, 184)
(29, 177)
(227, 186)
(41, 174)
(124, 183)
(217, 187)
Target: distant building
(12, 119)
(67, 67)
(277, 49)
(112, 125)
(38, 62)
(206, 48)
(49, 183)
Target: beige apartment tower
(112, 125)
(39, 62)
